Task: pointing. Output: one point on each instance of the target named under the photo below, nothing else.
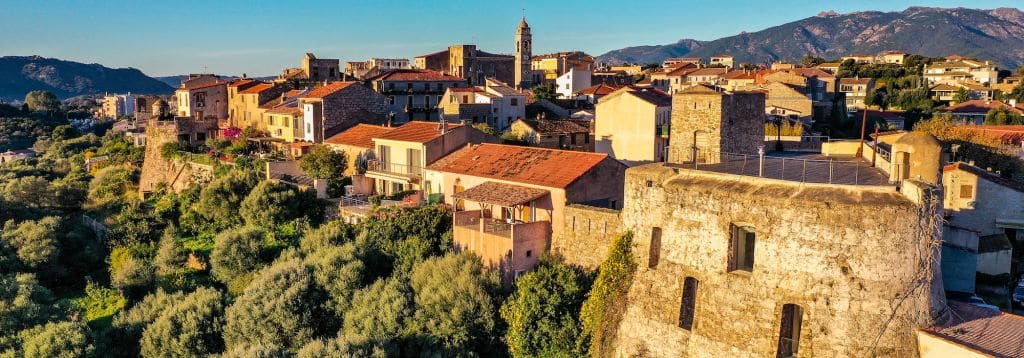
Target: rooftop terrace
(795, 166)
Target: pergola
(508, 196)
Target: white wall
(571, 82)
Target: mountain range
(996, 35)
(21, 74)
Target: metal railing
(800, 169)
(394, 168)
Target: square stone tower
(715, 122)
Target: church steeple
(524, 54)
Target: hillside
(997, 35)
(21, 74)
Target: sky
(260, 37)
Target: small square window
(529, 253)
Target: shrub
(606, 303)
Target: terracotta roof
(205, 85)
(740, 75)
(651, 95)
(414, 75)
(466, 89)
(810, 72)
(600, 90)
(681, 71)
(988, 331)
(555, 126)
(292, 110)
(855, 80)
(359, 136)
(328, 89)
(417, 131)
(501, 194)
(1009, 134)
(984, 174)
(980, 106)
(241, 82)
(538, 166)
(709, 71)
(257, 88)
(944, 87)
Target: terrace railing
(849, 171)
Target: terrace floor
(800, 167)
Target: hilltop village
(870, 205)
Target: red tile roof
(980, 106)
(810, 72)
(466, 89)
(1009, 134)
(600, 90)
(414, 75)
(417, 131)
(328, 90)
(991, 332)
(530, 165)
(205, 85)
(256, 89)
(241, 82)
(359, 136)
(707, 71)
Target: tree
(379, 312)
(455, 312)
(545, 91)
(237, 253)
(338, 271)
(1002, 116)
(34, 242)
(129, 325)
(219, 201)
(324, 163)
(42, 101)
(129, 273)
(606, 302)
(1017, 93)
(190, 328)
(962, 95)
(281, 306)
(133, 225)
(543, 312)
(272, 203)
(23, 303)
(256, 351)
(57, 339)
(340, 348)
(811, 61)
(64, 132)
(170, 257)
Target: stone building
(246, 100)
(550, 66)
(469, 63)
(204, 98)
(414, 94)
(494, 103)
(523, 76)
(320, 69)
(553, 133)
(338, 106)
(712, 124)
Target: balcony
(500, 243)
(404, 173)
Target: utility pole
(863, 127)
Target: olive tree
(190, 328)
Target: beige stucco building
(632, 125)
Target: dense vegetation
(242, 267)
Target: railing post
(760, 161)
(695, 156)
(830, 170)
(783, 169)
(803, 174)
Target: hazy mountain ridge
(997, 35)
(21, 74)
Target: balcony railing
(405, 170)
(510, 229)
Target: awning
(501, 194)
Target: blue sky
(261, 37)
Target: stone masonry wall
(353, 105)
(861, 262)
(731, 122)
(174, 174)
(586, 235)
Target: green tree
(130, 273)
(281, 306)
(219, 201)
(545, 91)
(57, 339)
(455, 312)
(324, 163)
(272, 203)
(338, 271)
(64, 132)
(129, 325)
(379, 312)
(133, 225)
(1002, 116)
(340, 348)
(236, 254)
(34, 242)
(42, 101)
(170, 257)
(256, 351)
(962, 95)
(606, 302)
(543, 312)
(190, 328)
(485, 128)
(23, 303)
(811, 61)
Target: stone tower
(715, 122)
(524, 54)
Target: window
(687, 306)
(515, 102)
(529, 253)
(789, 330)
(966, 191)
(654, 252)
(465, 99)
(741, 255)
(200, 99)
